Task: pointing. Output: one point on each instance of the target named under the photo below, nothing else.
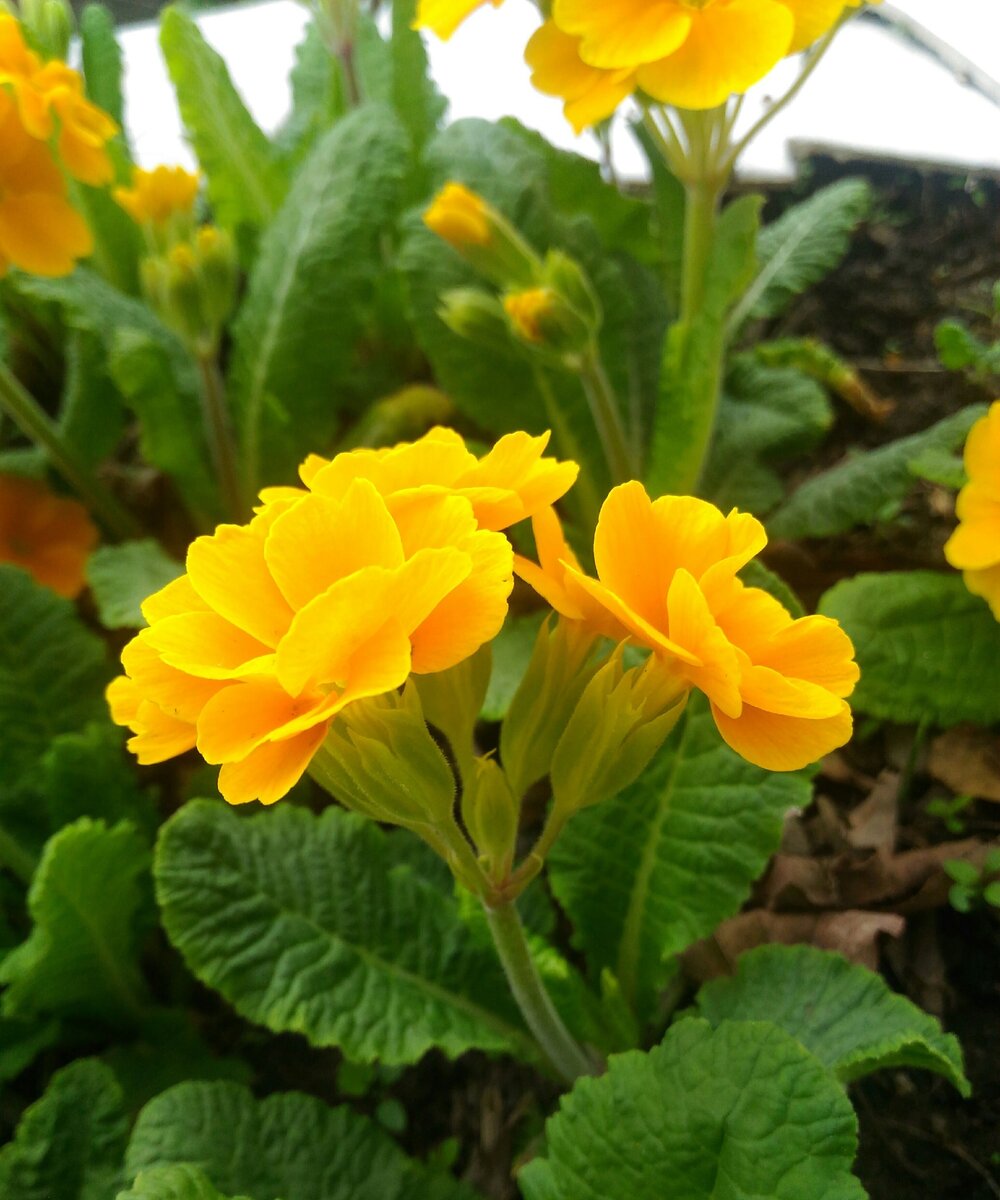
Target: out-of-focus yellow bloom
(51, 101)
(667, 580)
(528, 311)
(389, 564)
(49, 536)
(443, 17)
(590, 94)
(974, 547)
(459, 217)
(157, 196)
(40, 231)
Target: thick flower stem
(26, 413)
(607, 417)
(220, 437)
(703, 197)
(567, 1057)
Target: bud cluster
(192, 286)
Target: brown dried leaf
(967, 760)
(874, 823)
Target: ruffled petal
(783, 743)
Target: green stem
(607, 416)
(215, 413)
(585, 490)
(703, 197)
(26, 413)
(566, 1055)
(15, 858)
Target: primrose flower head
(974, 547)
(156, 197)
(667, 580)
(443, 17)
(390, 563)
(47, 535)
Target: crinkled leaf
(68, 1144)
(122, 576)
(80, 959)
(289, 1146)
(52, 673)
(178, 1182)
(843, 1013)
(733, 1113)
(318, 98)
(644, 875)
(91, 417)
(303, 924)
(928, 649)
(867, 485)
(318, 265)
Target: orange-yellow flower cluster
(47, 125)
(974, 547)
(157, 196)
(49, 536)
(387, 562)
(667, 579)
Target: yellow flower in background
(50, 536)
(528, 310)
(51, 102)
(156, 196)
(666, 579)
(443, 17)
(459, 217)
(590, 94)
(40, 231)
(974, 547)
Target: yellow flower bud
(543, 319)
(484, 238)
(460, 217)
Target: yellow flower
(51, 102)
(591, 95)
(667, 580)
(528, 310)
(328, 596)
(974, 547)
(49, 536)
(40, 231)
(443, 17)
(157, 196)
(459, 217)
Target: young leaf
(648, 873)
(861, 489)
(102, 60)
(289, 1146)
(179, 1182)
(738, 1111)
(81, 957)
(52, 673)
(245, 184)
(844, 1014)
(68, 1144)
(336, 945)
(928, 649)
(295, 335)
(318, 99)
(122, 576)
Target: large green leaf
(305, 924)
(52, 673)
(245, 184)
(178, 1182)
(289, 1146)
(648, 873)
(314, 279)
(87, 774)
(844, 1014)
(868, 486)
(741, 1112)
(318, 98)
(69, 1144)
(122, 576)
(803, 246)
(928, 649)
(80, 959)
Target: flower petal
(782, 743)
(624, 33)
(272, 770)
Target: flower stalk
(221, 443)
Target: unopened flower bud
(477, 316)
(50, 25)
(543, 319)
(491, 815)
(484, 238)
(215, 254)
(565, 276)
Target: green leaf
(741, 1112)
(318, 99)
(52, 673)
(102, 60)
(802, 247)
(859, 490)
(844, 1014)
(91, 416)
(289, 1146)
(122, 576)
(87, 774)
(81, 957)
(315, 275)
(245, 183)
(21, 1042)
(179, 1182)
(68, 1144)
(648, 873)
(336, 945)
(927, 648)
(940, 467)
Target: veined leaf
(316, 270)
(844, 1014)
(866, 486)
(121, 577)
(81, 957)
(289, 1146)
(736, 1112)
(318, 98)
(648, 873)
(68, 1144)
(179, 1182)
(245, 184)
(87, 774)
(304, 926)
(91, 416)
(928, 649)
(52, 672)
